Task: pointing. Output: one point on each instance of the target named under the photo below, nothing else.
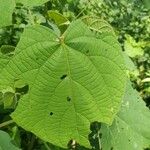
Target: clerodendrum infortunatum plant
(74, 79)
(82, 96)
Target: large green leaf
(5, 142)
(131, 128)
(6, 10)
(73, 80)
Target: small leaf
(133, 48)
(6, 142)
(6, 14)
(58, 18)
(61, 21)
(7, 49)
(146, 80)
(9, 100)
(98, 25)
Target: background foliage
(129, 18)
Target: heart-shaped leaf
(73, 80)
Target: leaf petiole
(6, 123)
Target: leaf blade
(129, 131)
(67, 90)
(6, 14)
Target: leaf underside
(130, 129)
(5, 142)
(73, 80)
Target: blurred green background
(130, 20)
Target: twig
(46, 145)
(99, 140)
(6, 123)
(31, 143)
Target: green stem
(46, 146)
(99, 140)
(80, 12)
(78, 15)
(30, 16)
(31, 143)
(6, 123)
